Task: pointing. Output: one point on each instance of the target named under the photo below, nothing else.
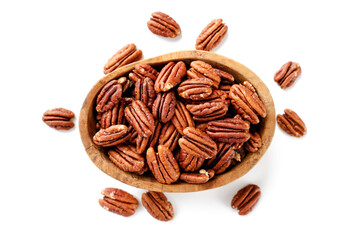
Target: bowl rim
(103, 163)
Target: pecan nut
(195, 89)
(163, 165)
(247, 103)
(118, 201)
(141, 71)
(200, 69)
(170, 76)
(197, 143)
(127, 159)
(254, 142)
(143, 143)
(169, 136)
(164, 106)
(246, 198)
(109, 95)
(291, 123)
(140, 118)
(145, 92)
(230, 130)
(114, 116)
(287, 74)
(207, 111)
(187, 162)
(157, 205)
(211, 35)
(124, 56)
(182, 118)
(59, 118)
(111, 136)
(197, 178)
(163, 25)
(222, 160)
(226, 77)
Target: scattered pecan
(246, 198)
(200, 69)
(182, 118)
(157, 205)
(169, 136)
(230, 130)
(287, 74)
(247, 103)
(59, 118)
(141, 71)
(142, 143)
(109, 95)
(111, 136)
(222, 160)
(197, 143)
(254, 142)
(163, 165)
(187, 162)
(211, 35)
(145, 92)
(114, 116)
(207, 111)
(197, 178)
(195, 89)
(163, 25)
(127, 159)
(118, 201)
(140, 118)
(291, 123)
(164, 106)
(170, 76)
(124, 56)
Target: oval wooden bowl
(241, 73)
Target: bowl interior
(241, 73)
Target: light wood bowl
(241, 73)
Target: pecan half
(157, 205)
(287, 74)
(187, 162)
(246, 198)
(163, 25)
(163, 165)
(111, 136)
(127, 159)
(197, 143)
(109, 95)
(197, 178)
(143, 143)
(195, 89)
(140, 118)
(114, 116)
(169, 136)
(254, 142)
(291, 123)
(59, 118)
(207, 111)
(182, 118)
(118, 201)
(247, 103)
(222, 160)
(211, 35)
(170, 76)
(141, 71)
(164, 106)
(200, 69)
(124, 56)
(145, 92)
(230, 130)
(226, 77)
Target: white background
(53, 52)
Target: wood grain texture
(239, 71)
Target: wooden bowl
(241, 73)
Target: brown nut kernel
(197, 178)
(246, 198)
(170, 76)
(163, 25)
(211, 35)
(141, 71)
(222, 160)
(145, 92)
(169, 136)
(140, 118)
(127, 159)
(114, 116)
(124, 56)
(59, 118)
(254, 142)
(109, 95)
(157, 205)
(118, 201)
(143, 143)
(230, 130)
(195, 89)
(291, 123)
(187, 162)
(200, 69)
(164, 106)
(182, 118)
(226, 77)
(208, 110)
(111, 136)
(287, 74)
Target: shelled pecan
(208, 110)
(140, 118)
(164, 106)
(202, 176)
(141, 71)
(124, 56)
(254, 142)
(170, 76)
(195, 89)
(143, 143)
(291, 123)
(230, 130)
(226, 78)
(109, 95)
(211, 35)
(59, 118)
(144, 91)
(182, 118)
(163, 25)
(246, 198)
(187, 162)
(118, 201)
(111, 136)
(201, 69)
(222, 160)
(287, 74)
(127, 159)
(169, 136)
(157, 205)
(114, 116)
